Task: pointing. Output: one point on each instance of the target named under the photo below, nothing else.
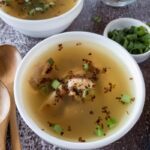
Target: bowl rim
(76, 145)
(42, 20)
(118, 20)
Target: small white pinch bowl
(45, 27)
(122, 23)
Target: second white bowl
(46, 27)
(122, 23)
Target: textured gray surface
(139, 137)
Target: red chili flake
(90, 54)
(104, 107)
(133, 99)
(81, 139)
(50, 124)
(69, 128)
(91, 112)
(104, 111)
(107, 117)
(54, 104)
(56, 68)
(62, 133)
(104, 70)
(102, 125)
(60, 47)
(98, 120)
(119, 98)
(78, 43)
(109, 87)
(92, 98)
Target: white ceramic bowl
(46, 27)
(125, 23)
(113, 49)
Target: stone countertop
(139, 137)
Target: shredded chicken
(41, 74)
(73, 87)
(76, 83)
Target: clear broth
(78, 116)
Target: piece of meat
(55, 98)
(78, 84)
(73, 87)
(41, 74)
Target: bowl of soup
(38, 18)
(82, 92)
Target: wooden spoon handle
(3, 131)
(15, 140)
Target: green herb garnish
(111, 122)
(126, 99)
(6, 2)
(99, 131)
(85, 92)
(135, 39)
(50, 61)
(32, 7)
(32, 12)
(97, 19)
(57, 128)
(85, 67)
(55, 84)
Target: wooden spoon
(4, 114)
(9, 61)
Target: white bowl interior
(113, 49)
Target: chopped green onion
(85, 67)
(57, 128)
(135, 39)
(51, 4)
(32, 12)
(39, 9)
(27, 1)
(111, 122)
(97, 19)
(126, 99)
(55, 84)
(46, 6)
(99, 131)
(85, 92)
(7, 1)
(38, 6)
(50, 61)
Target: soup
(37, 9)
(77, 92)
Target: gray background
(139, 137)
